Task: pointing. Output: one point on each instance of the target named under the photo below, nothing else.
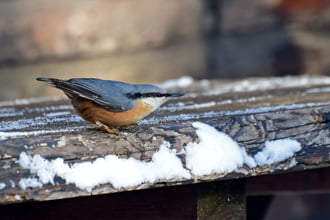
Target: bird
(109, 104)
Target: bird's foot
(105, 128)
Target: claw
(105, 128)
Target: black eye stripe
(151, 95)
(144, 95)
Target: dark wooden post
(221, 200)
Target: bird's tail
(64, 85)
(51, 81)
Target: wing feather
(105, 93)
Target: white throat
(154, 102)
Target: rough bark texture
(250, 112)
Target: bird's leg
(105, 128)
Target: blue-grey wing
(106, 93)
(109, 94)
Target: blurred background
(149, 41)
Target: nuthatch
(111, 103)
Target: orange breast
(92, 112)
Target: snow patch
(17, 134)
(2, 186)
(18, 197)
(47, 119)
(218, 153)
(276, 151)
(110, 169)
(183, 81)
(30, 101)
(25, 183)
(248, 160)
(272, 83)
(215, 153)
(12, 183)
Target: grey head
(113, 95)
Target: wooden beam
(309, 181)
(251, 116)
(161, 203)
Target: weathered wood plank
(250, 112)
